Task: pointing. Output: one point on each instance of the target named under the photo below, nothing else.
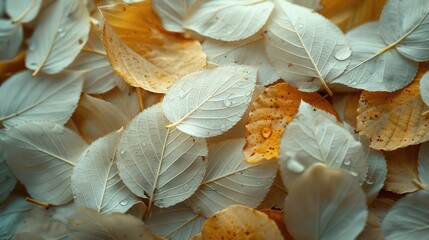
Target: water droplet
(62, 34)
(300, 25)
(32, 47)
(74, 196)
(123, 202)
(183, 92)
(186, 187)
(343, 54)
(234, 102)
(347, 162)
(354, 83)
(57, 129)
(295, 166)
(227, 103)
(369, 181)
(223, 128)
(259, 183)
(60, 30)
(122, 152)
(266, 132)
(354, 174)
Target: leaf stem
(140, 98)
(419, 184)
(42, 204)
(24, 14)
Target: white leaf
(325, 203)
(246, 52)
(230, 180)
(172, 13)
(376, 175)
(12, 214)
(88, 224)
(163, 164)
(305, 48)
(126, 100)
(10, 39)
(7, 180)
(209, 102)
(275, 198)
(22, 10)
(92, 61)
(182, 222)
(404, 24)
(95, 181)
(44, 98)
(313, 4)
(314, 136)
(424, 88)
(408, 218)
(42, 156)
(61, 32)
(372, 71)
(423, 163)
(228, 20)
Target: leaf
(424, 88)
(95, 118)
(314, 136)
(127, 100)
(376, 175)
(142, 53)
(408, 218)
(33, 148)
(269, 116)
(240, 222)
(346, 105)
(171, 13)
(372, 71)
(404, 26)
(278, 217)
(162, 164)
(394, 120)
(305, 48)
(402, 170)
(95, 181)
(376, 214)
(12, 214)
(7, 179)
(423, 163)
(61, 32)
(182, 222)
(11, 36)
(275, 198)
(325, 203)
(88, 224)
(227, 20)
(209, 102)
(229, 180)
(313, 4)
(22, 11)
(44, 98)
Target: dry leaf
(278, 217)
(270, 114)
(144, 54)
(7, 68)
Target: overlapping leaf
(424, 88)
(11, 36)
(22, 11)
(127, 100)
(7, 179)
(12, 214)
(376, 175)
(423, 163)
(172, 13)
(275, 198)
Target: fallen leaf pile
(196, 119)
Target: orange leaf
(278, 217)
(144, 54)
(270, 114)
(9, 67)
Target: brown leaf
(144, 54)
(270, 114)
(278, 217)
(8, 68)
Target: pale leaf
(325, 203)
(376, 175)
(424, 88)
(12, 215)
(127, 100)
(44, 98)
(22, 10)
(423, 163)
(275, 198)
(172, 13)
(210, 102)
(7, 179)
(11, 36)
(42, 156)
(230, 180)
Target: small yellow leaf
(142, 52)
(270, 114)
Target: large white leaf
(230, 180)
(44, 98)
(182, 222)
(95, 180)
(11, 35)
(404, 24)
(408, 218)
(325, 203)
(61, 32)
(22, 10)
(305, 48)
(12, 214)
(314, 136)
(228, 20)
(389, 71)
(163, 164)
(42, 156)
(424, 88)
(209, 102)
(423, 163)
(172, 13)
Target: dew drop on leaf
(58, 129)
(122, 152)
(343, 54)
(123, 202)
(295, 166)
(227, 103)
(266, 132)
(347, 162)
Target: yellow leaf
(144, 54)
(270, 114)
(394, 120)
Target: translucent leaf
(227, 20)
(424, 88)
(314, 136)
(313, 4)
(275, 198)
(142, 53)
(60, 34)
(404, 25)
(240, 222)
(182, 222)
(306, 49)
(95, 181)
(269, 116)
(325, 203)
(12, 214)
(44, 98)
(376, 175)
(230, 180)
(11, 36)
(7, 179)
(163, 164)
(127, 100)
(408, 218)
(394, 120)
(42, 156)
(22, 10)
(172, 13)
(209, 102)
(423, 163)
(389, 71)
